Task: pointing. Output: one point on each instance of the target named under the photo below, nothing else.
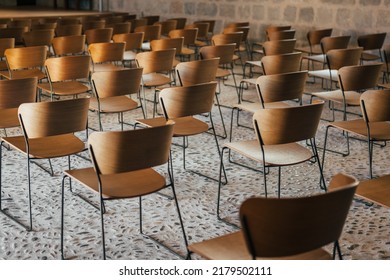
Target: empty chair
(41, 37)
(189, 36)
(14, 32)
(197, 71)
(93, 24)
(374, 126)
(100, 35)
(180, 22)
(244, 45)
(287, 228)
(371, 44)
(151, 32)
(202, 37)
(169, 43)
(69, 20)
(68, 45)
(107, 56)
(150, 20)
(385, 69)
(133, 44)
(5, 43)
(68, 30)
(26, 22)
(166, 26)
(123, 171)
(314, 38)
(113, 95)
(47, 135)
(137, 22)
(120, 27)
(40, 26)
(230, 38)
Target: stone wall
(352, 17)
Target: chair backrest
(133, 40)
(39, 26)
(17, 91)
(69, 20)
(151, 32)
(197, 71)
(168, 43)
(235, 29)
(6, 43)
(152, 19)
(238, 24)
(138, 22)
(40, 37)
(314, 37)
(106, 52)
(281, 87)
(99, 35)
(20, 23)
(228, 38)
(166, 26)
(371, 41)
(189, 35)
(180, 22)
(280, 34)
(281, 227)
(338, 58)
(27, 57)
(279, 46)
(120, 27)
(156, 61)
(386, 56)
(281, 63)
(333, 43)
(224, 52)
(111, 83)
(67, 30)
(177, 102)
(359, 77)
(375, 105)
(203, 29)
(68, 45)
(68, 68)
(43, 119)
(14, 32)
(123, 151)
(93, 24)
(211, 23)
(272, 28)
(288, 124)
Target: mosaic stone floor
(366, 233)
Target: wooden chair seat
(378, 130)
(9, 118)
(325, 74)
(222, 73)
(129, 55)
(321, 58)
(155, 80)
(113, 104)
(253, 107)
(64, 88)
(48, 147)
(232, 247)
(26, 73)
(100, 67)
(120, 185)
(352, 98)
(278, 155)
(376, 190)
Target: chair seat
(325, 74)
(379, 130)
(376, 190)
(48, 147)
(185, 126)
(26, 73)
(317, 58)
(9, 118)
(316, 49)
(113, 104)
(369, 56)
(221, 73)
(120, 185)
(280, 155)
(253, 107)
(352, 98)
(232, 247)
(254, 63)
(187, 51)
(106, 67)
(64, 88)
(129, 55)
(146, 46)
(155, 80)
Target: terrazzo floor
(366, 234)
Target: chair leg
(315, 153)
(370, 156)
(224, 135)
(102, 211)
(279, 179)
(62, 216)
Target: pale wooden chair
(133, 45)
(5, 43)
(150, 20)
(69, 29)
(40, 37)
(120, 27)
(151, 32)
(166, 26)
(230, 38)
(48, 132)
(180, 22)
(375, 190)
(99, 35)
(68, 45)
(47, 25)
(202, 37)
(371, 44)
(123, 171)
(14, 32)
(314, 38)
(189, 36)
(244, 46)
(93, 24)
(286, 228)
(211, 23)
(113, 95)
(373, 127)
(169, 43)
(137, 22)
(386, 67)
(107, 56)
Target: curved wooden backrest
(166, 26)
(20, 23)
(156, 61)
(281, 87)
(69, 29)
(151, 32)
(120, 27)
(27, 57)
(65, 45)
(152, 19)
(106, 52)
(117, 83)
(100, 35)
(235, 29)
(280, 34)
(288, 124)
(47, 25)
(6, 43)
(280, 227)
(69, 20)
(94, 24)
(272, 28)
(279, 46)
(197, 71)
(224, 52)
(167, 43)
(238, 24)
(343, 57)
(359, 77)
(14, 32)
(211, 23)
(138, 22)
(333, 43)
(17, 91)
(189, 35)
(178, 102)
(43, 119)
(180, 22)
(40, 37)
(281, 63)
(123, 151)
(133, 40)
(68, 67)
(203, 29)
(386, 55)
(228, 38)
(371, 41)
(314, 37)
(376, 105)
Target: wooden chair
(150, 20)
(373, 127)
(69, 29)
(93, 24)
(375, 190)
(100, 35)
(47, 135)
(40, 26)
(14, 32)
(120, 27)
(279, 131)
(371, 43)
(151, 32)
(168, 43)
(286, 228)
(25, 62)
(113, 95)
(137, 22)
(181, 104)
(230, 38)
(244, 44)
(202, 37)
(69, 20)
(189, 36)
(133, 44)
(353, 80)
(67, 75)
(20, 23)
(180, 22)
(41, 37)
(385, 69)
(166, 26)
(211, 23)
(238, 24)
(107, 56)
(156, 75)
(68, 45)
(123, 171)
(5, 43)
(314, 38)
